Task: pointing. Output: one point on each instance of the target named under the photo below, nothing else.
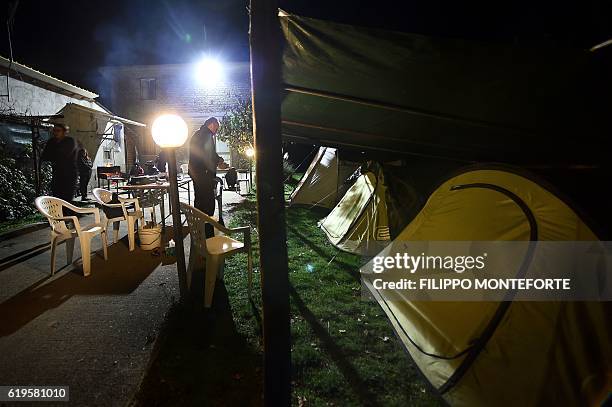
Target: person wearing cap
(203, 160)
(62, 151)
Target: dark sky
(71, 39)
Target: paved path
(94, 334)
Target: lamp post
(250, 152)
(169, 132)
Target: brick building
(145, 91)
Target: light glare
(169, 130)
(209, 72)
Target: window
(148, 88)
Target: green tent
(477, 101)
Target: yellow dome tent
(325, 180)
(502, 353)
(374, 209)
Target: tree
(237, 127)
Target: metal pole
(176, 223)
(265, 44)
(250, 173)
(35, 158)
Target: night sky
(71, 39)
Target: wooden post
(175, 207)
(265, 45)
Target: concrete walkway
(94, 334)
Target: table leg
(189, 193)
(163, 211)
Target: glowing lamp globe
(169, 130)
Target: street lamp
(209, 72)
(170, 132)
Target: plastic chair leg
(53, 251)
(221, 269)
(196, 262)
(86, 254)
(212, 267)
(104, 244)
(131, 237)
(116, 231)
(69, 250)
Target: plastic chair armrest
(72, 219)
(93, 211)
(129, 201)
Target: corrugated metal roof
(38, 76)
(109, 115)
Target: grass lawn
(344, 350)
(17, 223)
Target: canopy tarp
(89, 126)
(407, 93)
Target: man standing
(61, 150)
(203, 161)
(84, 164)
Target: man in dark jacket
(84, 165)
(61, 150)
(203, 161)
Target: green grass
(344, 351)
(17, 223)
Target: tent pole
(265, 41)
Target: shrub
(17, 191)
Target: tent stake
(265, 40)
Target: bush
(17, 191)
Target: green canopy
(390, 91)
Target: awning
(397, 92)
(89, 126)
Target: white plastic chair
(131, 213)
(215, 249)
(53, 209)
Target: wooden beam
(265, 42)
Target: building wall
(29, 99)
(179, 91)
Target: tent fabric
(87, 126)
(540, 353)
(476, 101)
(324, 182)
(363, 221)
